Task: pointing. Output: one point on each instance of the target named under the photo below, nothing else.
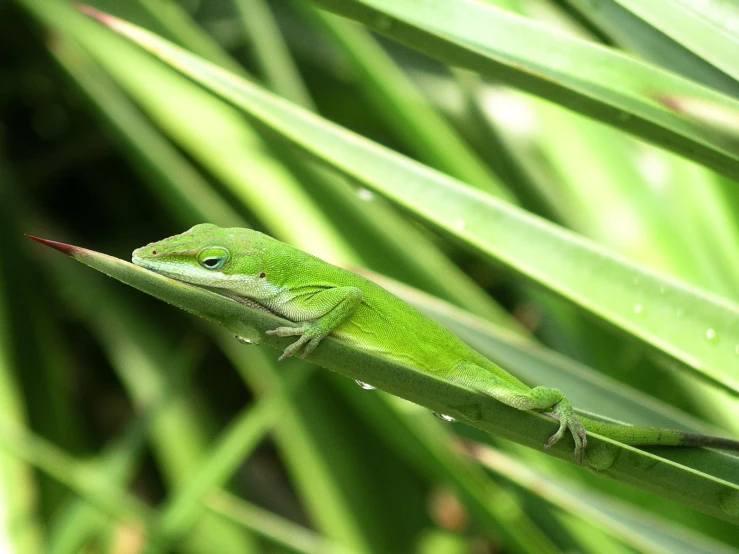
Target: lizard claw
(310, 346)
(292, 349)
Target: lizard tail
(696, 439)
(637, 435)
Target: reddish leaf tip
(92, 12)
(670, 102)
(62, 247)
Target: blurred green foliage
(128, 426)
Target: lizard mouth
(155, 266)
(170, 269)
(242, 300)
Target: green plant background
(129, 426)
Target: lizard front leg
(546, 399)
(322, 312)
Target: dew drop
(736, 349)
(638, 309)
(365, 194)
(365, 386)
(460, 224)
(244, 340)
(444, 417)
(710, 334)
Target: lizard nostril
(153, 252)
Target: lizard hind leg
(548, 400)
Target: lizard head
(208, 255)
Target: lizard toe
(556, 437)
(286, 331)
(293, 348)
(311, 345)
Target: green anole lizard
(324, 299)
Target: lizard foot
(310, 337)
(563, 412)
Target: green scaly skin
(262, 272)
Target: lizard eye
(213, 257)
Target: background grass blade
(617, 25)
(706, 31)
(242, 436)
(634, 527)
(275, 62)
(283, 532)
(398, 100)
(603, 84)
(20, 529)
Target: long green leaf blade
(429, 135)
(593, 80)
(634, 526)
(713, 495)
(633, 34)
(277, 529)
(704, 28)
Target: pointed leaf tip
(61, 246)
(92, 12)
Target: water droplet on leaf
(638, 309)
(444, 417)
(244, 340)
(365, 386)
(711, 334)
(365, 194)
